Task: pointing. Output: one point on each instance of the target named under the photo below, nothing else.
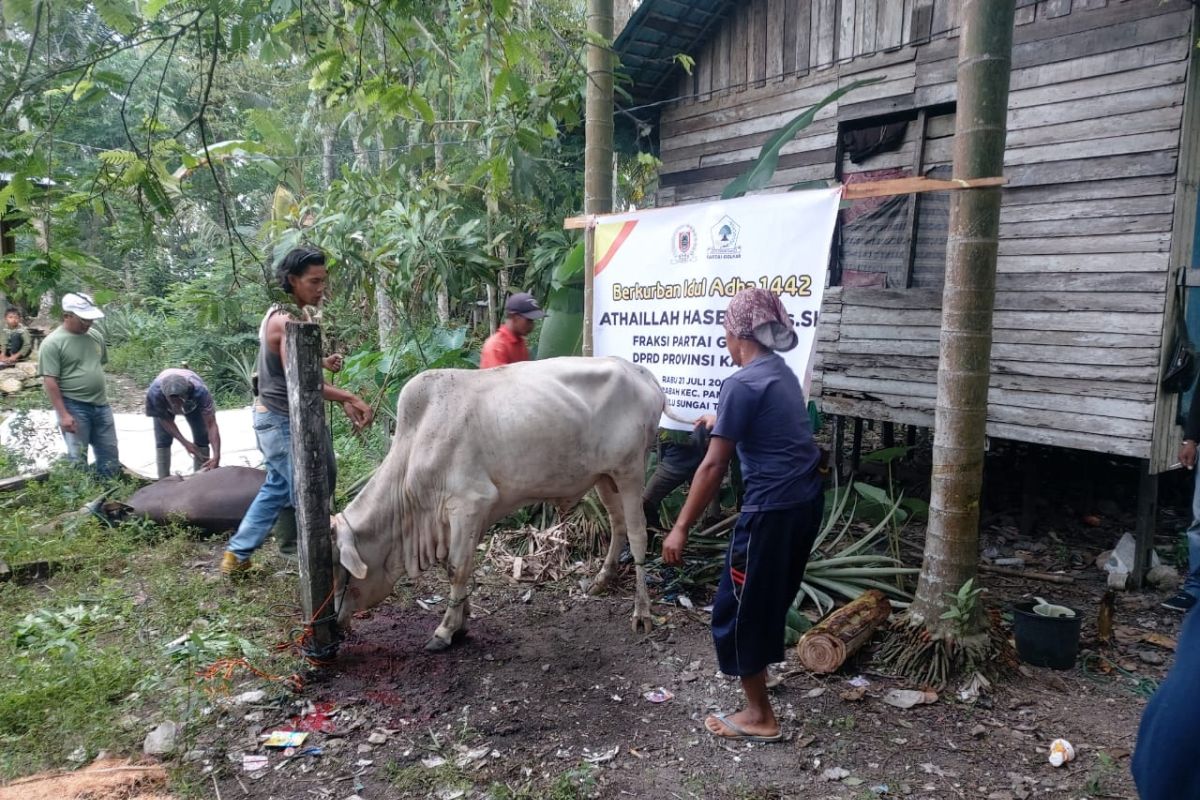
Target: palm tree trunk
(598, 142)
(952, 542)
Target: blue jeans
(93, 426)
(274, 434)
(1192, 585)
(195, 421)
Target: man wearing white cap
(71, 362)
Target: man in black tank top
(301, 274)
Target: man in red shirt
(507, 344)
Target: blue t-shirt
(762, 410)
(1168, 741)
(156, 401)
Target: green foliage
(962, 606)
(212, 330)
(562, 331)
(847, 558)
(110, 644)
(763, 167)
(379, 376)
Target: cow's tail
(672, 415)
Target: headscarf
(759, 315)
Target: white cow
(472, 446)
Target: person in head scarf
(762, 415)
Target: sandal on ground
(738, 734)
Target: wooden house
(1098, 218)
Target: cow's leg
(635, 522)
(628, 518)
(611, 499)
(465, 528)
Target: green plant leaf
(763, 168)
(887, 455)
(571, 269)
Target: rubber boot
(202, 459)
(285, 532)
(162, 457)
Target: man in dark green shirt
(71, 361)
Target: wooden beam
(1147, 522)
(311, 490)
(910, 222)
(855, 191)
(20, 481)
(861, 191)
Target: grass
(577, 783)
(84, 658)
(1105, 767)
(417, 780)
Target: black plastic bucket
(1046, 641)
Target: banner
(665, 276)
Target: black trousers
(676, 465)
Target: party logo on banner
(725, 239)
(683, 245)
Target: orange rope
(224, 668)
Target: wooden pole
(1147, 518)
(968, 300)
(598, 144)
(310, 454)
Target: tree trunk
(952, 541)
(46, 304)
(443, 304)
(328, 164)
(385, 309)
(598, 142)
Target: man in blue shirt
(181, 391)
(762, 414)
(1168, 744)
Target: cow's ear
(348, 552)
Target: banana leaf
(763, 168)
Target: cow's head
(363, 581)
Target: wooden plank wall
(1095, 115)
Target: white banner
(664, 278)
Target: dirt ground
(545, 698)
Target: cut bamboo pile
(829, 643)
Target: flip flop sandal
(741, 735)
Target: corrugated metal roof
(657, 31)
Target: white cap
(81, 305)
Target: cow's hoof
(643, 624)
(599, 584)
(436, 645)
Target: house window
(894, 242)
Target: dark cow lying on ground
(472, 446)
(214, 501)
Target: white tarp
(664, 278)
(36, 434)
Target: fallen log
(1045, 577)
(21, 481)
(827, 645)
